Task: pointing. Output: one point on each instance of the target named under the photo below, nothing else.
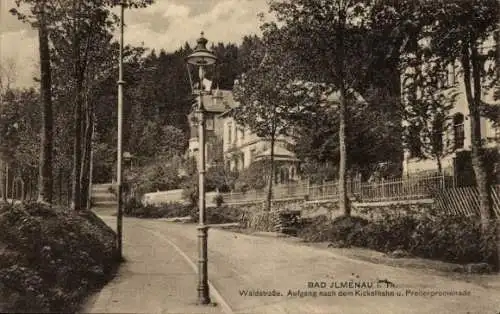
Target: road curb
(213, 291)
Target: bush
(54, 258)
(223, 214)
(321, 228)
(219, 200)
(449, 238)
(214, 215)
(135, 208)
(387, 233)
(452, 238)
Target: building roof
(219, 101)
(280, 154)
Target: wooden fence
(465, 200)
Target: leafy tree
(455, 31)
(268, 98)
(228, 66)
(7, 78)
(80, 32)
(160, 175)
(369, 142)
(343, 44)
(7, 75)
(250, 52)
(427, 111)
(19, 130)
(255, 177)
(40, 19)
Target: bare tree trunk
(77, 156)
(91, 166)
(6, 181)
(45, 164)
(2, 180)
(271, 176)
(85, 165)
(77, 145)
(488, 223)
(439, 165)
(343, 202)
(60, 182)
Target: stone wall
(287, 216)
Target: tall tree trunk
(271, 175)
(343, 202)
(91, 165)
(439, 165)
(60, 183)
(488, 223)
(77, 155)
(344, 205)
(7, 181)
(45, 164)
(85, 165)
(2, 180)
(77, 145)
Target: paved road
(239, 263)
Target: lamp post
(119, 171)
(200, 58)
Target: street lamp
(119, 170)
(200, 58)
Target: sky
(167, 24)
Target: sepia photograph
(250, 156)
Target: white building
(457, 138)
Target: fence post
(382, 187)
(22, 190)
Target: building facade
(456, 138)
(242, 147)
(235, 146)
(214, 103)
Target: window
(458, 130)
(414, 141)
(229, 132)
